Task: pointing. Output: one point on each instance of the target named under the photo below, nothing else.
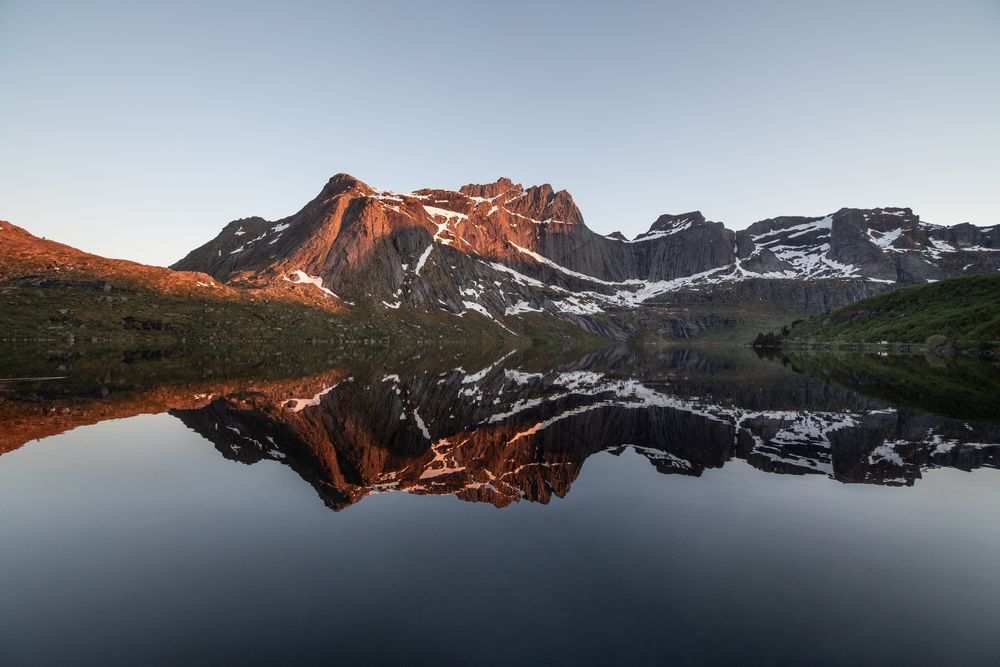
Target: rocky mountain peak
(905, 212)
(668, 224)
(239, 224)
(501, 186)
(888, 215)
(673, 223)
(505, 251)
(342, 183)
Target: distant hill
(958, 312)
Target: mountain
(51, 291)
(506, 252)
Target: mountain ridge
(502, 250)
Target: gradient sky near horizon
(137, 130)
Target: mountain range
(506, 252)
(493, 260)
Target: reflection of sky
(139, 129)
(135, 536)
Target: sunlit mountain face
(514, 255)
(519, 428)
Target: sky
(138, 130)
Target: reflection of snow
(299, 404)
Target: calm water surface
(694, 509)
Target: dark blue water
(134, 541)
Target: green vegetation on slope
(961, 313)
(63, 311)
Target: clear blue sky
(138, 129)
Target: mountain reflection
(516, 429)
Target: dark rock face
(888, 245)
(504, 251)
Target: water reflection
(520, 428)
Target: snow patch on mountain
(520, 308)
(423, 259)
(303, 277)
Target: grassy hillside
(958, 312)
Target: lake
(700, 506)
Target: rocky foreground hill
(505, 252)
